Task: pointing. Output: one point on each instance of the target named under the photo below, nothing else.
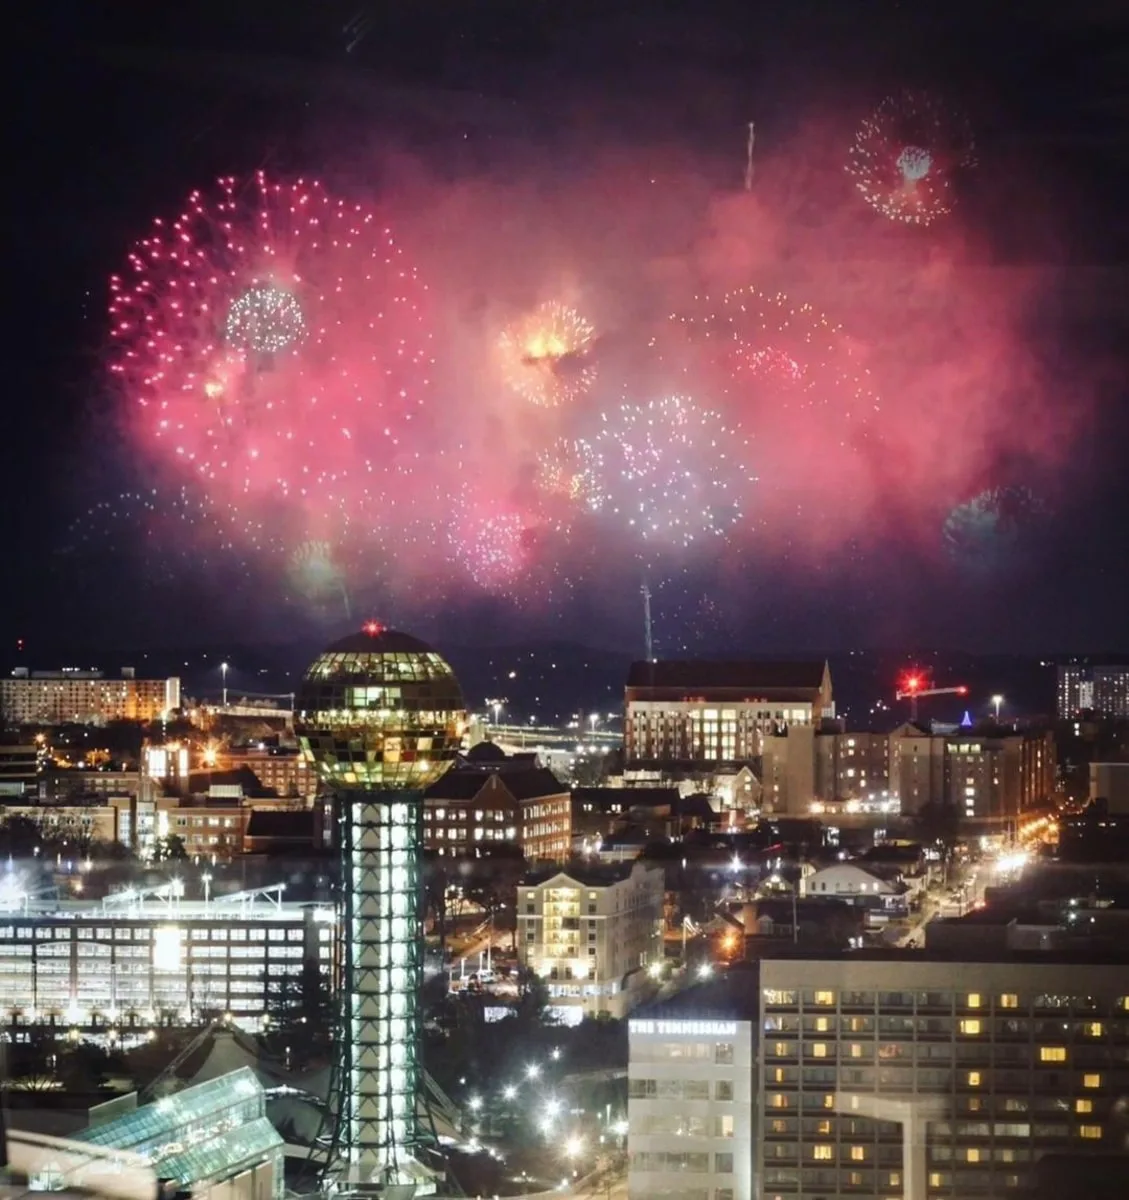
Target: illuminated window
(1083, 1106)
(779, 1126)
(1092, 1081)
(973, 1078)
(1009, 1000)
(822, 1024)
(823, 1127)
(819, 1050)
(936, 1179)
(1093, 1029)
(973, 1000)
(778, 1101)
(856, 1050)
(778, 1075)
(1052, 1054)
(895, 1179)
(972, 1154)
(823, 1151)
(1090, 1131)
(829, 1101)
(825, 997)
(970, 1026)
(854, 1178)
(780, 1049)
(858, 1153)
(975, 1104)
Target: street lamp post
(223, 673)
(997, 700)
(206, 879)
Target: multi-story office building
(495, 800)
(690, 1095)
(85, 697)
(709, 713)
(133, 958)
(591, 934)
(1103, 691)
(986, 1066)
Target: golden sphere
(379, 711)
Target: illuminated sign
(685, 1028)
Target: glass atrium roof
(206, 1133)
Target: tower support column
(378, 1067)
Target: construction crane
(914, 685)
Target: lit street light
(997, 700)
(223, 673)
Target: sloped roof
(705, 673)
(526, 783)
(627, 797)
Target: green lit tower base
(381, 716)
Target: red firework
(273, 341)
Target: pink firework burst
(272, 340)
(494, 549)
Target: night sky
(595, 155)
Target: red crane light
(373, 628)
(912, 683)
(962, 690)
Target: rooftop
(746, 676)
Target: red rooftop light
(373, 628)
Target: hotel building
(690, 1106)
(84, 697)
(900, 1075)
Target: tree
(302, 1017)
(169, 849)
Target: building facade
(990, 1065)
(85, 697)
(132, 960)
(851, 766)
(710, 713)
(1101, 690)
(690, 1111)
(591, 934)
(528, 808)
(985, 776)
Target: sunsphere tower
(381, 716)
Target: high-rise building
(1102, 690)
(878, 1074)
(957, 1074)
(85, 697)
(690, 1101)
(707, 713)
(591, 933)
